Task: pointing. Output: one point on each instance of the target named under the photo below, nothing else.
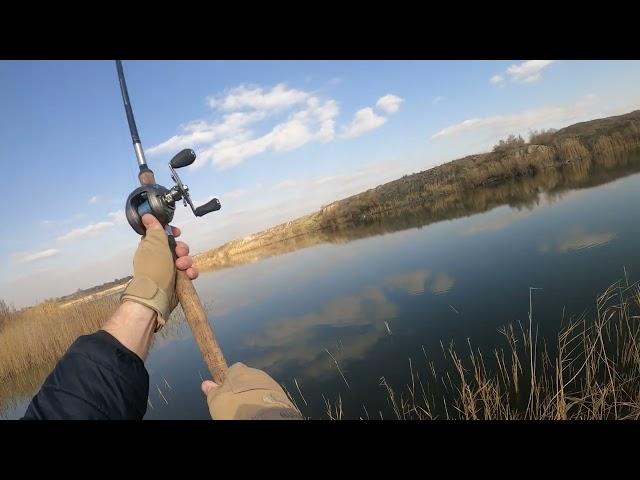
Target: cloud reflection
(349, 326)
(416, 283)
(442, 283)
(301, 340)
(494, 224)
(578, 239)
(412, 282)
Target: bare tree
(541, 137)
(511, 142)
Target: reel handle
(211, 206)
(183, 158)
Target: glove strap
(145, 291)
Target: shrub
(510, 143)
(541, 137)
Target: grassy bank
(32, 340)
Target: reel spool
(160, 201)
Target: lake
(381, 300)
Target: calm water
(378, 300)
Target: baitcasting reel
(161, 202)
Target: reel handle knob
(183, 158)
(211, 206)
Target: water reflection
(577, 239)
(495, 224)
(523, 195)
(442, 284)
(412, 282)
(360, 319)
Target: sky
(274, 140)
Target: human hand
(154, 270)
(248, 394)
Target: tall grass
(34, 339)
(589, 371)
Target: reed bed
(34, 339)
(589, 371)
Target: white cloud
(257, 98)
(521, 122)
(65, 221)
(531, 78)
(364, 120)
(229, 140)
(32, 257)
(93, 199)
(118, 217)
(240, 192)
(315, 122)
(322, 189)
(284, 184)
(200, 133)
(27, 288)
(389, 103)
(526, 72)
(91, 229)
(437, 100)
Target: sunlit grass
(34, 339)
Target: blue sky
(275, 140)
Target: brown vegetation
(33, 339)
(509, 144)
(541, 137)
(590, 371)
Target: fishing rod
(152, 198)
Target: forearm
(133, 325)
(101, 376)
(97, 378)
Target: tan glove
(154, 274)
(249, 394)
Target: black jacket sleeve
(97, 378)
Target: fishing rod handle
(201, 328)
(197, 319)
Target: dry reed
(591, 372)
